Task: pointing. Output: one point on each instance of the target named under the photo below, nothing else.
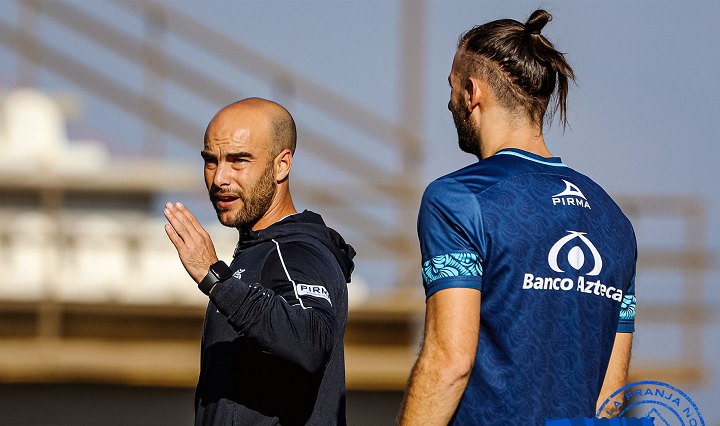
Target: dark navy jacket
(272, 349)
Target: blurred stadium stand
(673, 262)
(75, 273)
(92, 292)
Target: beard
(468, 136)
(256, 201)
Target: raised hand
(193, 243)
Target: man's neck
(279, 209)
(526, 138)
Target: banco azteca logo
(571, 196)
(575, 255)
(571, 251)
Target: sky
(644, 113)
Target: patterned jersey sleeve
(451, 243)
(627, 308)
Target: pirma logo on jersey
(571, 196)
(314, 291)
(575, 259)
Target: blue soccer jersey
(554, 258)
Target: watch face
(221, 270)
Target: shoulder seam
(287, 274)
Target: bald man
(272, 347)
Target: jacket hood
(303, 226)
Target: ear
(474, 92)
(283, 164)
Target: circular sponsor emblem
(666, 404)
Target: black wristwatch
(219, 271)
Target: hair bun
(537, 21)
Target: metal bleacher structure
(94, 291)
(109, 301)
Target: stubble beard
(468, 137)
(255, 202)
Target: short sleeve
(450, 234)
(627, 310)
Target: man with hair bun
(528, 266)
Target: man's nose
(222, 174)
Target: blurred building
(92, 296)
(95, 308)
(91, 289)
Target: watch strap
(219, 271)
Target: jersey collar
(552, 161)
